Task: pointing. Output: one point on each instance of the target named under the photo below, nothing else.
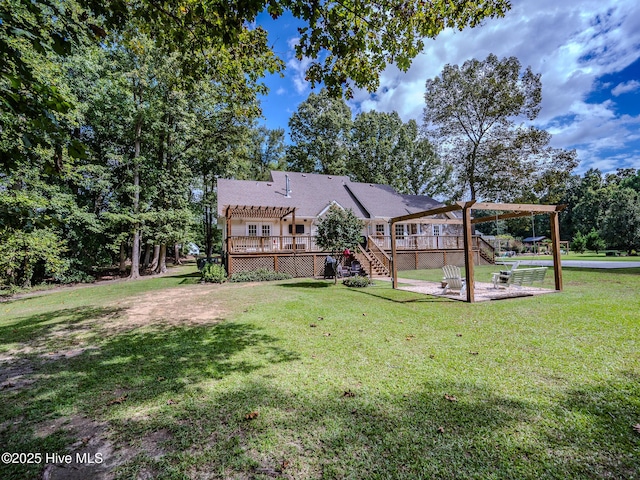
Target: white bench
(519, 277)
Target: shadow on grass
(616, 271)
(308, 284)
(389, 296)
(417, 435)
(35, 327)
(135, 370)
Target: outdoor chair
(452, 279)
(356, 269)
(502, 277)
(343, 271)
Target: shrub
(260, 275)
(357, 281)
(579, 243)
(213, 273)
(594, 242)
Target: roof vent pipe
(287, 186)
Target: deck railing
(273, 244)
(305, 243)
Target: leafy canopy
(471, 114)
(338, 230)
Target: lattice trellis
(297, 266)
(455, 258)
(406, 261)
(430, 260)
(248, 264)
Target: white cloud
(625, 87)
(571, 44)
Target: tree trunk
(135, 249)
(123, 257)
(176, 253)
(147, 256)
(162, 262)
(156, 258)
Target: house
(273, 224)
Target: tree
(267, 152)
(320, 131)
(579, 243)
(593, 241)
(621, 227)
(471, 113)
(339, 230)
(385, 150)
(345, 42)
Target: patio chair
(503, 276)
(343, 271)
(356, 269)
(452, 279)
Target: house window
(266, 230)
(252, 230)
(380, 229)
(413, 228)
(437, 230)
(399, 230)
(299, 229)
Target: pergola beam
(518, 207)
(500, 217)
(435, 211)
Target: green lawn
(303, 379)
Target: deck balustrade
(306, 243)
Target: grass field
(302, 379)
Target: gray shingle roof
(312, 193)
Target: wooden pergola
(256, 212)
(514, 210)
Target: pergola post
(555, 244)
(394, 266)
(293, 231)
(468, 250)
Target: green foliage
(31, 257)
(213, 273)
(621, 226)
(338, 230)
(320, 135)
(385, 150)
(260, 275)
(494, 157)
(357, 281)
(594, 242)
(579, 243)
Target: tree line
(117, 118)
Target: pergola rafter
(515, 210)
(249, 211)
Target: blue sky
(587, 51)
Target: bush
(213, 273)
(579, 243)
(594, 242)
(357, 281)
(260, 275)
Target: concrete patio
(483, 291)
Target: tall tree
(471, 114)
(385, 150)
(621, 226)
(320, 135)
(267, 152)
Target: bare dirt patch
(175, 306)
(95, 455)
